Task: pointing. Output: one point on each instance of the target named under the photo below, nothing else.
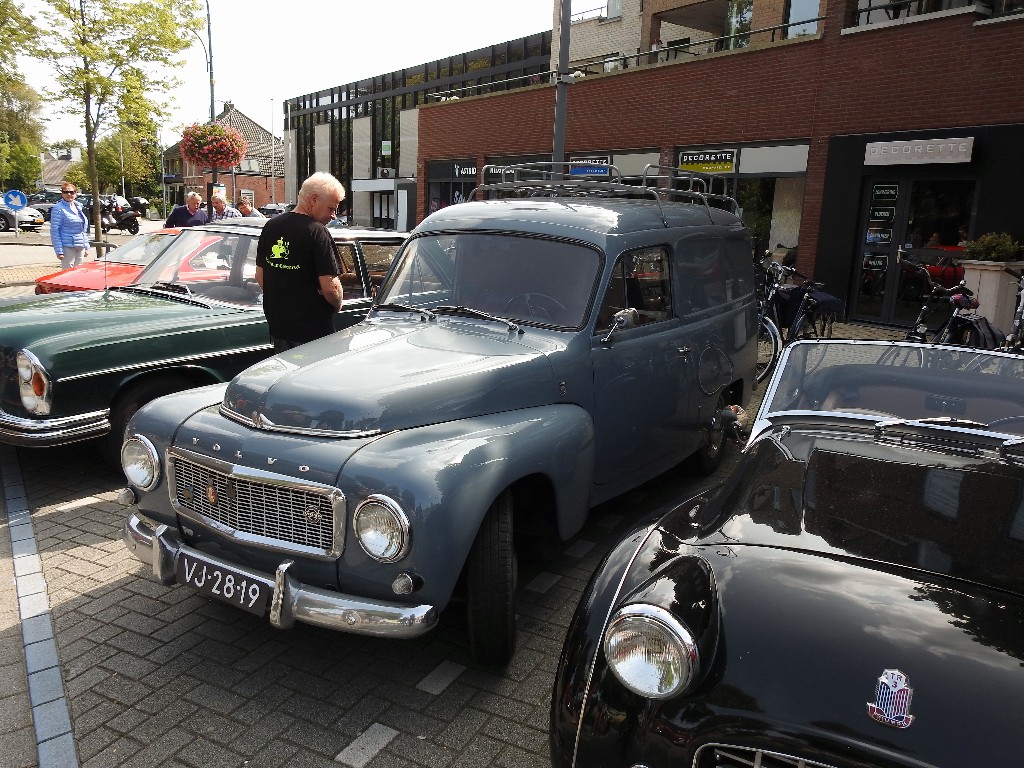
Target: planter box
(995, 289)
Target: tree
(109, 60)
(24, 167)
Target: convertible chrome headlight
(382, 529)
(650, 651)
(33, 384)
(140, 462)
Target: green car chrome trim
(165, 362)
(38, 432)
(263, 423)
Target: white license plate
(227, 584)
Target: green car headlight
(33, 384)
(382, 529)
(140, 462)
(650, 651)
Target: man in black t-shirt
(298, 267)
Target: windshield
(141, 249)
(211, 265)
(527, 279)
(979, 389)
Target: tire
(128, 402)
(769, 344)
(4, 224)
(709, 456)
(133, 226)
(491, 586)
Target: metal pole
(562, 80)
(209, 48)
(273, 156)
(120, 141)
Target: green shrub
(995, 246)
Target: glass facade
(505, 66)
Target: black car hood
(849, 496)
(383, 376)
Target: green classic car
(76, 366)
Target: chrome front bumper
(17, 430)
(159, 547)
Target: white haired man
(189, 214)
(298, 266)
(221, 209)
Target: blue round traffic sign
(15, 199)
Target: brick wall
(936, 73)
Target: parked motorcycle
(115, 216)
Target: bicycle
(1013, 343)
(958, 329)
(813, 317)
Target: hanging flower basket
(212, 145)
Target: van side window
(641, 282)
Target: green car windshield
(208, 265)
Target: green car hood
(69, 332)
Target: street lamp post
(208, 52)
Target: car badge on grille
(211, 495)
(892, 700)
(313, 514)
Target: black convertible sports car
(852, 596)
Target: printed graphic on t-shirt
(279, 253)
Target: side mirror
(624, 318)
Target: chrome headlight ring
(382, 529)
(140, 462)
(650, 651)
(34, 384)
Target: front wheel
(128, 402)
(491, 586)
(769, 343)
(132, 226)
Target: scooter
(113, 216)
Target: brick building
(260, 176)
(849, 129)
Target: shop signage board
(708, 161)
(882, 213)
(594, 166)
(919, 151)
(885, 193)
(878, 236)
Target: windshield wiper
(425, 313)
(470, 312)
(164, 288)
(945, 421)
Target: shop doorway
(903, 220)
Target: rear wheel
(128, 402)
(491, 586)
(133, 226)
(707, 459)
(4, 224)
(769, 343)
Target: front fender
(445, 476)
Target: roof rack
(701, 184)
(579, 178)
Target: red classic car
(120, 266)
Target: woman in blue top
(69, 228)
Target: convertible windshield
(527, 279)
(140, 250)
(886, 381)
(211, 265)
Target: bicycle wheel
(905, 357)
(769, 344)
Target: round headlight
(33, 384)
(650, 651)
(140, 462)
(382, 529)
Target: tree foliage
(109, 62)
(24, 168)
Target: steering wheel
(538, 305)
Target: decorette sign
(919, 151)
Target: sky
(265, 53)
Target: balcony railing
(872, 12)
